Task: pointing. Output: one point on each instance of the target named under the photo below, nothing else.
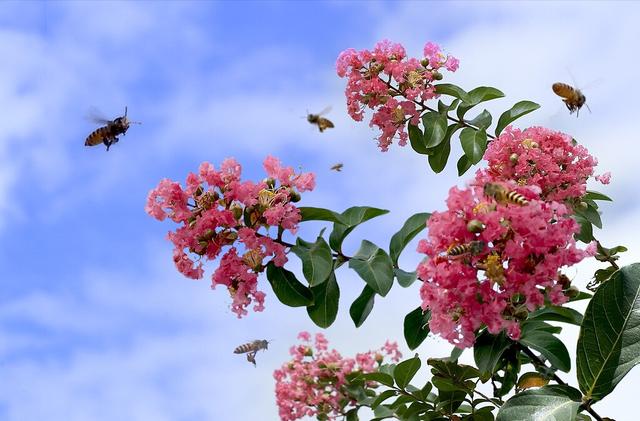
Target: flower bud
(475, 226)
(583, 205)
(236, 209)
(270, 182)
(514, 158)
(424, 62)
(437, 75)
(518, 298)
(294, 196)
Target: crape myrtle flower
(221, 216)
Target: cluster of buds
(218, 212)
(393, 85)
(496, 254)
(312, 383)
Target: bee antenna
(587, 107)
(125, 110)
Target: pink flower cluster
(216, 211)
(311, 384)
(495, 255)
(539, 156)
(395, 86)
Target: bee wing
(325, 110)
(94, 115)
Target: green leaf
(439, 156)
(586, 230)
(518, 110)
(416, 138)
(483, 94)
(409, 230)
(405, 279)
(287, 288)
(488, 350)
(474, 143)
(449, 402)
(319, 214)
(325, 308)
(452, 90)
(382, 412)
(594, 195)
(557, 314)
(552, 348)
(362, 306)
(416, 327)
(351, 217)
(382, 378)
(435, 129)
(404, 372)
(374, 266)
(383, 397)
(317, 262)
(549, 403)
(581, 296)
(482, 121)
(352, 415)
(463, 164)
(609, 341)
(591, 214)
(444, 108)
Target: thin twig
(536, 361)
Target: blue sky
(95, 323)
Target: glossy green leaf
(435, 129)
(449, 402)
(488, 350)
(416, 138)
(287, 288)
(412, 227)
(452, 90)
(594, 195)
(552, 348)
(586, 230)
(374, 266)
(557, 314)
(405, 279)
(382, 378)
(351, 218)
(463, 164)
(404, 371)
(482, 121)
(483, 94)
(444, 108)
(352, 415)
(439, 156)
(326, 297)
(319, 214)
(609, 341)
(362, 306)
(317, 261)
(548, 403)
(416, 327)
(591, 214)
(518, 110)
(474, 143)
(383, 397)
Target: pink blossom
(604, 178)
(542, 157)
(509, 265)
(389, 83)
(312, 383)
(218, 213)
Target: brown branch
(537, 362)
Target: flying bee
(109, 133)
(322, 122)
(503, 195)
(251, 349)
(473, 247)
(337, 167)
(573, 98)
